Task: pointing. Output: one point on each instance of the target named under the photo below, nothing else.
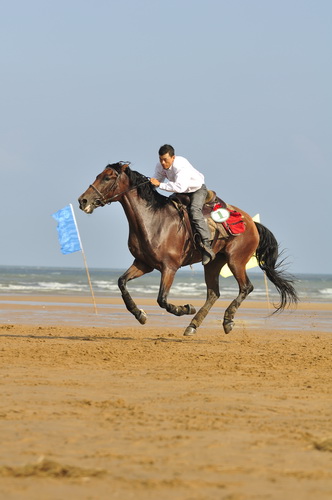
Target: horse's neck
(137, 211)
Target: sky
(241, 88)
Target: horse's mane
(145, 189)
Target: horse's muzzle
(84, 205)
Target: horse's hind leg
(136, 270)
(167, 278)
(239, 251)
(245, 287)
(211, 273)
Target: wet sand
(96, 406)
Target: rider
(182, 177)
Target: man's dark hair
(166, 148)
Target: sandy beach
(96, 406)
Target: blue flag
(67, 230)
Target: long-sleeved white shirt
(181, 177)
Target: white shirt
(181, 177)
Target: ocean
(188, 283)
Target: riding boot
(208, 253)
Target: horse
(161, 237)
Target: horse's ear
(124, 167)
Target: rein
(104, 201)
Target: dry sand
(99, 407)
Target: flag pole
(85, 262)
(89, 280)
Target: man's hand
(154, 182)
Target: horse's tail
(267, 254)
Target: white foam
(44, 287)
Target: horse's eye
(107, 178)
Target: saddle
(233, 226)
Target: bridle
(102, 199)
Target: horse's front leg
(136, 270)
(167, 278)
(211, 274)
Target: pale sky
(241, 88)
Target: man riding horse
(159, 240)
(182, 177)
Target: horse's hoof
(189, 331)
(228, 326)
(142, 318)
(190, 309)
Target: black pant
(197, 200)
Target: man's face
(166, 161)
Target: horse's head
(107, 187)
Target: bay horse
(160, 238)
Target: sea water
(188, 283)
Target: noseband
(102, 198)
